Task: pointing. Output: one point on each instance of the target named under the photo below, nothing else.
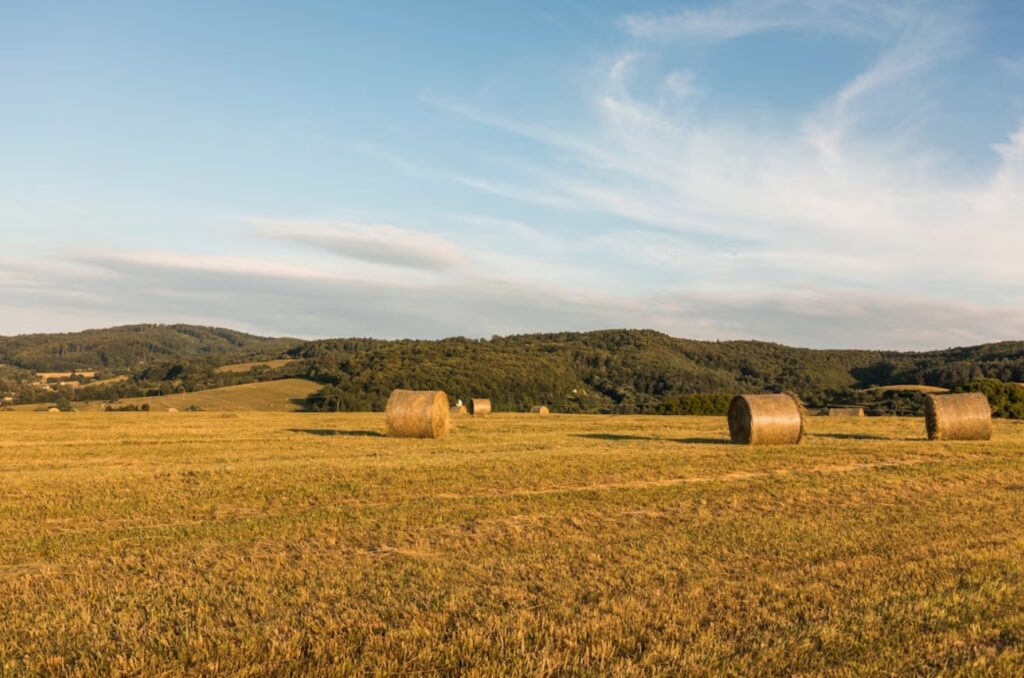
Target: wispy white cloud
(721, 21)
(924, 39)
(682, 85)
(1014, 66)
(374, 243)
(830, 183)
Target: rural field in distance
(189, 543)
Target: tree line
(613, 371)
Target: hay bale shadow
(619, 437)
(611, 436)
(702, 441)
(326, 432)
(852, 436)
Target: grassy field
(111, 380)
(283, 395)
(303, 543)
(248, 367)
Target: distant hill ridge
(129, 346)
(607, 370)
(631, 370)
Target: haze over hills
(609, 370)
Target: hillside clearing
(917, 388)
(107, 382)
(283, 395)
(308, 543)
(248, 367)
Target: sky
(844, 174)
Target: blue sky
(841, 174)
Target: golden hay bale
(540, 409)
(54, 410)
(459, 410)
(479, 406)
(846, 411)
(960, 416)
(417, 414)
(776, 419)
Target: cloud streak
(374, 243)
(725, 21)
(157, 288)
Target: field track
(222, 542)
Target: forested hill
(604, 371)
(631, 370)
(129, 346)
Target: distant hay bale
(54, 410)
(959, 416)
(776, 419)
(418, 414)
(478, 406)
(459, 410)
(846, 411)
(540, 409)
(172, 410)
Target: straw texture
(776, 419)
(418, 414)
(540, 409)
(959, 416)
(458, 410)
(479, 406)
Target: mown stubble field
(200, 543)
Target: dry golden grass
(283, 395)
(310, 544)
(247, 367)
(108, 382)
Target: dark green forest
(639, 371)
(620, 371)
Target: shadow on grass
(619, 437)
(325, 432)
(851, 436)
(611, 436)
(702, 441)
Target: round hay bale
(417, 414)
(776, 419)
(540, 409)
(172, 410)
(846, 411)
(958, 416)
(54, 410)
(479, 406)
(458, 410)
